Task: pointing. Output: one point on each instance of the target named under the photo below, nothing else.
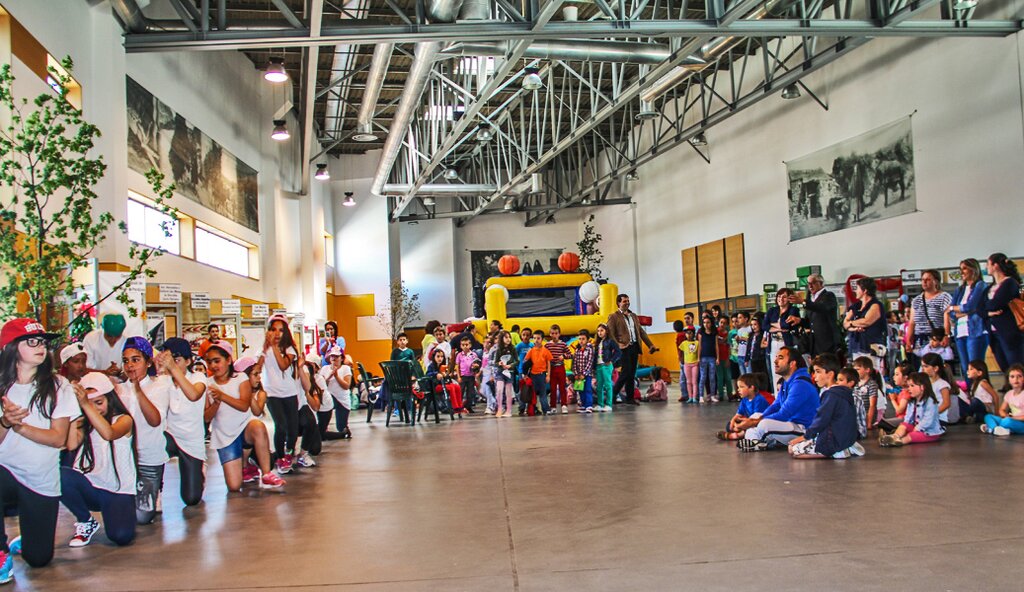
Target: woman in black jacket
(1006, 342)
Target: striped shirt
(933, 309)
(558, 351)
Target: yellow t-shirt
(689, 349)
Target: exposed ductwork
(448, 11)
(374, 82)
(440, 189)
(584, 50)
(419, 73)
(131, 15)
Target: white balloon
(498, 288)
(589, 291)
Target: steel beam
(375, 33)
(315, 16)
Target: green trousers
(604, 385)
(723, 371)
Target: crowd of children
(94, 434)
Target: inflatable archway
(500, 289)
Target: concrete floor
(642, 499)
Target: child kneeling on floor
(752, 405)
(833, 434)
(921, 422)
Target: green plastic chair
(432, 400)
(399, 377)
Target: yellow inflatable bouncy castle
(584, 303)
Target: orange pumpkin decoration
(508, 264)
(568, 262)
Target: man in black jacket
(823, 313)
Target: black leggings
(285, 412)
(37, 517)
(340, 420)
(190, 471)
(311, 442)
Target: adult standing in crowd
(212, 337)
(779, 323)
(103, 346)
(928, 313)
(625, 329)
(1006, 339)
(865, 323)
(328, 341)
(822, 315)
(966, 316)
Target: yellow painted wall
(345, 310)
(665, 356)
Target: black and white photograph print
(200, 168)
(858, 181)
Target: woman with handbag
(865, 323)
(1006, 340)
(966, 315)
(927, 313)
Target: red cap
(16, 329)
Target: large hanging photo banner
(201, 169)
(858, 181)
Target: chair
(400, 378)
(366, 382)
(435, 395)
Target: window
(151, 227)
(329, 250)
(216, 249)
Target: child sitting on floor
(752, 404)
(1011, 413)
(981, 397)
(899, 397)
(921, 423)
(833, 433)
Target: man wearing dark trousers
(822, 312)
(625, 329)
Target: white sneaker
(488, 412)
(305, 461)
(608, 408)
(565, 409)
(1000, 431)
(590, 410)
(84, 532)
(715, 400)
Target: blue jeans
(707, 377)
(744, 366)
(970, 349)
(540, 387)
(587, 396)
(1015, 426)
(682, 381)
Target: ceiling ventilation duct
(583, 50)
(374, 82)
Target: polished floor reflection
(642, 499)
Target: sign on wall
(200, 168)
(858, 181)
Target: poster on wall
(201, 169)
(858, 181)
(531, 261)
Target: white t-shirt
(937, 387)
(101, 353)
(326, 400)
(339, 394)
(35, 465)
(150, 441)
(102, 475)
(229, 422)
(279, 383)
(185, 418)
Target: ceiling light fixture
(550, 219)
(429, 201)
(349, 201)
(586, 201)
(484, 134)
(532, 80)
(508, 206)
(699, 140)
(964, 4)
(280, 132)
(792, 91)
(322, 174)
(275, 71)
(451, 174)
(632, 176)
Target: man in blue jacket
(793, 409)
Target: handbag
(1017, 308)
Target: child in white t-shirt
(336, 380)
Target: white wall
(224, 95)
(428, 266)
(968, 151)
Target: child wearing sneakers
(608, 354)
(101, 478)
(834, 431)
(232, 424)
(1011, 413)
(468, 364)
(583, 369)
(752, 405)
(539, 358)
(921, 423)
(559, 352)
(689, 355)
